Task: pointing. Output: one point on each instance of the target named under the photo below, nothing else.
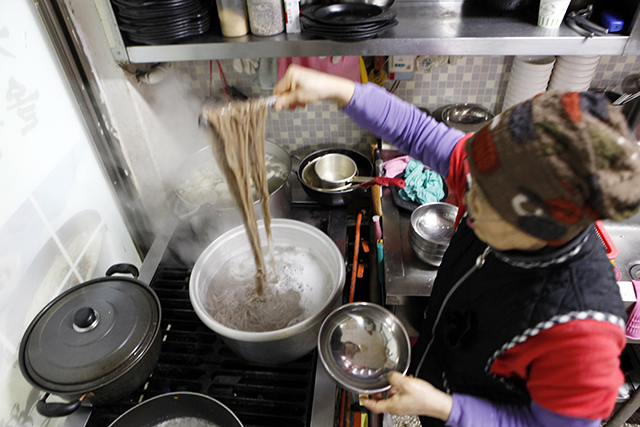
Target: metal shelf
(425, 28)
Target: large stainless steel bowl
(282, 345)
(359, 343)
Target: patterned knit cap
(554, 164)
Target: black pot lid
(90, 335)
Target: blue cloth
(423, 185)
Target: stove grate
(193, 358)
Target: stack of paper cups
(574, 73)
(551, 13)
(529, 77)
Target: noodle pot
(180, 408)
(206, 199)
(291, 342)
(94, 344)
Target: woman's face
(492, 229)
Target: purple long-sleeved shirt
(403, 125)
(423, 138)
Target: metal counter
(408, 280)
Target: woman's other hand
(301, 86)
(411, 396)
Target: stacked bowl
(432, 226)
(574, 73)
(529, 77)
(154, 22)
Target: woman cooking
(525, 323)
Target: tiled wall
(473, 79)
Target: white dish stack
(529, 77)
(574, 73)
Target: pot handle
(297, 167)
(125, 269)
(57, 409)
(203, 208)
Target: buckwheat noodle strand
(238, 146)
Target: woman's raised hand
(301, 86)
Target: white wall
(59, 222)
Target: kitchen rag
(423, 185)
(395, 166)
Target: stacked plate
(529, 77)
(347, 21)
(162, 21)
(574, 73)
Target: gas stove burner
(193, 358)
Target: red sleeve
(457, 177)
(572, 369)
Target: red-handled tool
(384, 181)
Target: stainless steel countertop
(406, 277)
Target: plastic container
(612, 22)
(233, 17)
(266, 17)
(551, 13)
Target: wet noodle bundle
(238, 145)
(237, 309)
(240, 298)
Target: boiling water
(186, 422)
(298, 288)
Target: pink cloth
(395, 166)
(344, 66)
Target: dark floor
(634, 421)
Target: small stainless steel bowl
(311, 179)
(466, 117)
(359, 343)
(432, 226)
(335, 170)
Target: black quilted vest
(511, 297)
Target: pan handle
(295, 169)
(57, 409)
(385, 182)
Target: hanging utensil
(630, 90)
(579, 22)
(625, 98)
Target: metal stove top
(193, 358)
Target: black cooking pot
(177, 407)
(94, 344)
(334, 198)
